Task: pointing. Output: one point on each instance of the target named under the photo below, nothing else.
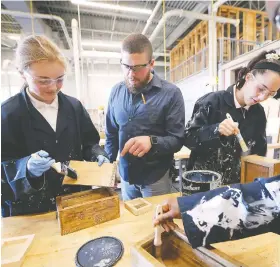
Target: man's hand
(227, 127)
(137, 146)
(170, 211)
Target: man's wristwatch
(154, 140)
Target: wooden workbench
(49, 248)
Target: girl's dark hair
(250, 67)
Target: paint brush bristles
(239, 137)
(68, 171)
(157, 252)
(61, 168)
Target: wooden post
(228, 41)
(171, 65)
(269, 30)
(237, 36)
(262, 29)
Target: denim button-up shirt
(157, 110)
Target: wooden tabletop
(272, 146)
(49, 248)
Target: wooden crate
(254, 166)
(138, 206)
(176, 252)
(85, 209)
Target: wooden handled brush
(158, 231)
(239, 137)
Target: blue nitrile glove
(39, 163)
(101, 159)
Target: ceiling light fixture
(9, 72)
(15, 37)
(102, 54)
(112, 7)
(103, 44)
(105, 75)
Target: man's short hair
(137, 43)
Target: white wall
(97, 82)
(193, 88)
(99, 88)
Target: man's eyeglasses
(264, 91)
(135, 68)
(46, 81)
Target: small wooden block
(81, 210)
(14, 250)
(138, 206)
(254, 166)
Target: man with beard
(145, 121)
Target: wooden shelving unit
(254, 28)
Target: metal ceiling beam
(184, 25)
(10, 22)
(40, 16)
(181, 28)
(25, 23)
(7, 41)
(113, 25)
(108, 32)
(150, 19)
(104, 31)
(199, 16)
(141, 17)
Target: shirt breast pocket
(150, 114)
(121, 116)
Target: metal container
(200, 181)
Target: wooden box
(176, 252)
(85, 209)
(256, 166)
(14, 250)
(138, 206)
